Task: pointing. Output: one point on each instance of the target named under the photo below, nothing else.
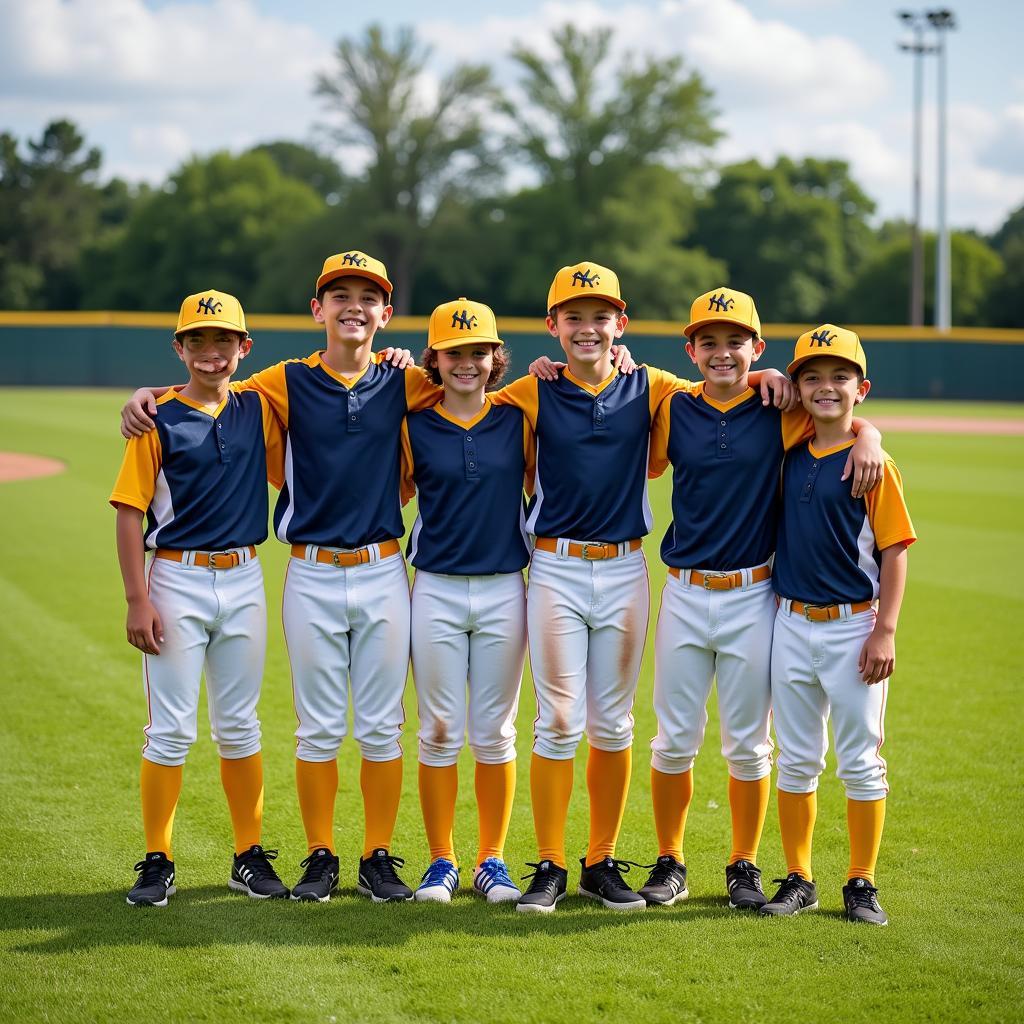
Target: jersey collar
(192, 404)
(348, 382)
(590, 388)
(464, 424)
(825, 452)
(725, 406)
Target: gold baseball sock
(495, 791)
(671, 796)
(381, 783)
(160, 786)
(608, 774)
(550, 789)
(864, 819)
(242, 780)
(317, 785)
(748, 802)
(438, 789)
(797, 812)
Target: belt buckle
(585, 554)
(338, 559)
(217, 556)
(708, 576)
(808, 608)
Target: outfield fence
(111, 349)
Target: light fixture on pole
(942, 21)
(916, 21)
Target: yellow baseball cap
(585, 281)
(723, 306)
(354, 264)
(211, 309)
(828, 340)
(457, 323)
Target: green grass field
(71, 726)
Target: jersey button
(723, 423)
(725, 446)
(469, 437)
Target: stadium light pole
(916, 21)
(942, 21)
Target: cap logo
(822, 339)
(353, 259)
(721, 303)
(209, 306)
(463, 320)
(585, 279)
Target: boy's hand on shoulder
(145, 630)
(623, 360)
(137, 414)
(400, 358)
(865, 462)
(544, 369)
(878, 656)
(778, 390)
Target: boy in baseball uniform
(200, 480)
(840, 571)
(588, 598)
(466, 460)
(718, 608)
(346, 594)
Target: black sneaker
(320, 877)
(860, 898)
(546, 890)
(795, 894)
(743, 880)
(667, 884)
(379, 880)
(603, 881)
(155, 882)
(252, 874)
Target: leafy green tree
(878, 295)
(50, 205)
(422, 154)
(793, 235)
(205, 228)
(318, 171)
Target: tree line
(616, 156)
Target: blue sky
(151, 82)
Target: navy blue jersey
(592, 450)
(726, 458)
(342, 461)
(201, 476)
(469, 480)
(830, 544)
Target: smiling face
(351, 309)
(211, 354)
(723, 353)
(465, 370)
(830, 388)
(586, 329)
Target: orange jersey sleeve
(407, 484)
(271, 384)
(530, 454)
(797, 427)
(420, 391)
(662, 385)
(657, 459)
(887, 510)
(273, 439)
(140, 467)
(521, 393)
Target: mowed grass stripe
(69, 829)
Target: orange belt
(589, 550)
(347, 559)
(207, 559)
(827, 612)
(723, 580)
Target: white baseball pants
(704, 635)
(347, 626)
(587, 627)
(215, 620)
(468, 630)
(814, 673)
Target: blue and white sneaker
(491, 879)
(440, 880)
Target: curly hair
(499, 366)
